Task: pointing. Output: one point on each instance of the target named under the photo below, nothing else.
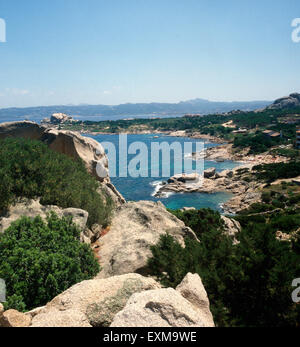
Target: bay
(143, 188)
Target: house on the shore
(272, 133)
(240, 131)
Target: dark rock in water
(181, 179)
(209, 173)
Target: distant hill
(133, 110)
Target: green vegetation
(40, 259)
(248, 283)
(286, 152)
(208, 124)
(257, 142)
(271, 172)
(253, 122)
(30, 169)
(201, 221)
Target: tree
(40, 259)
(248, 283)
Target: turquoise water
(143, 188)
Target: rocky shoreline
(245, 193)
(179, 133)
(245, 190)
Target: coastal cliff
(69, 143)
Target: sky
(118, 51)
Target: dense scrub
(201, 221)
(40, 259)
(207, 124)
(30, 169)
(258, 143)
(248, 284)
(271, 172)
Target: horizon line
(136, 103)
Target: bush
(40, 259)
(201, 221)
(271, 172)
(266, 197)
(257, 142)
(248, 284)
(30, 169)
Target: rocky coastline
(237, 181)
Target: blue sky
(118, 51)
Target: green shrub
(278, 204)
(248, 284)
(40, 259)
(286, 223)
(266, 197)
(271, 172)
(30, 169)
(201, 221)
(257, 142)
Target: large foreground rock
(23, 129)
(69, 143)
(125, 301)
(187, 306)
(14, 319)
(192, 289)
(159, 308)
(92, 303)
(135, 227)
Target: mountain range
(138, 110)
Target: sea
(144, 188)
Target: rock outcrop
(60, 118)
(134, 228)
(293, 100)
(76, 146)
(14, 319)
(24, 129)
(129, 300)
(192, 289)
(209, 173)
(231, 226)
(181, 183)
(219, 153)
(158, 308)
(92, 303)
(245, 191)
(187, 306)
(69, 143)
(33, 208)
